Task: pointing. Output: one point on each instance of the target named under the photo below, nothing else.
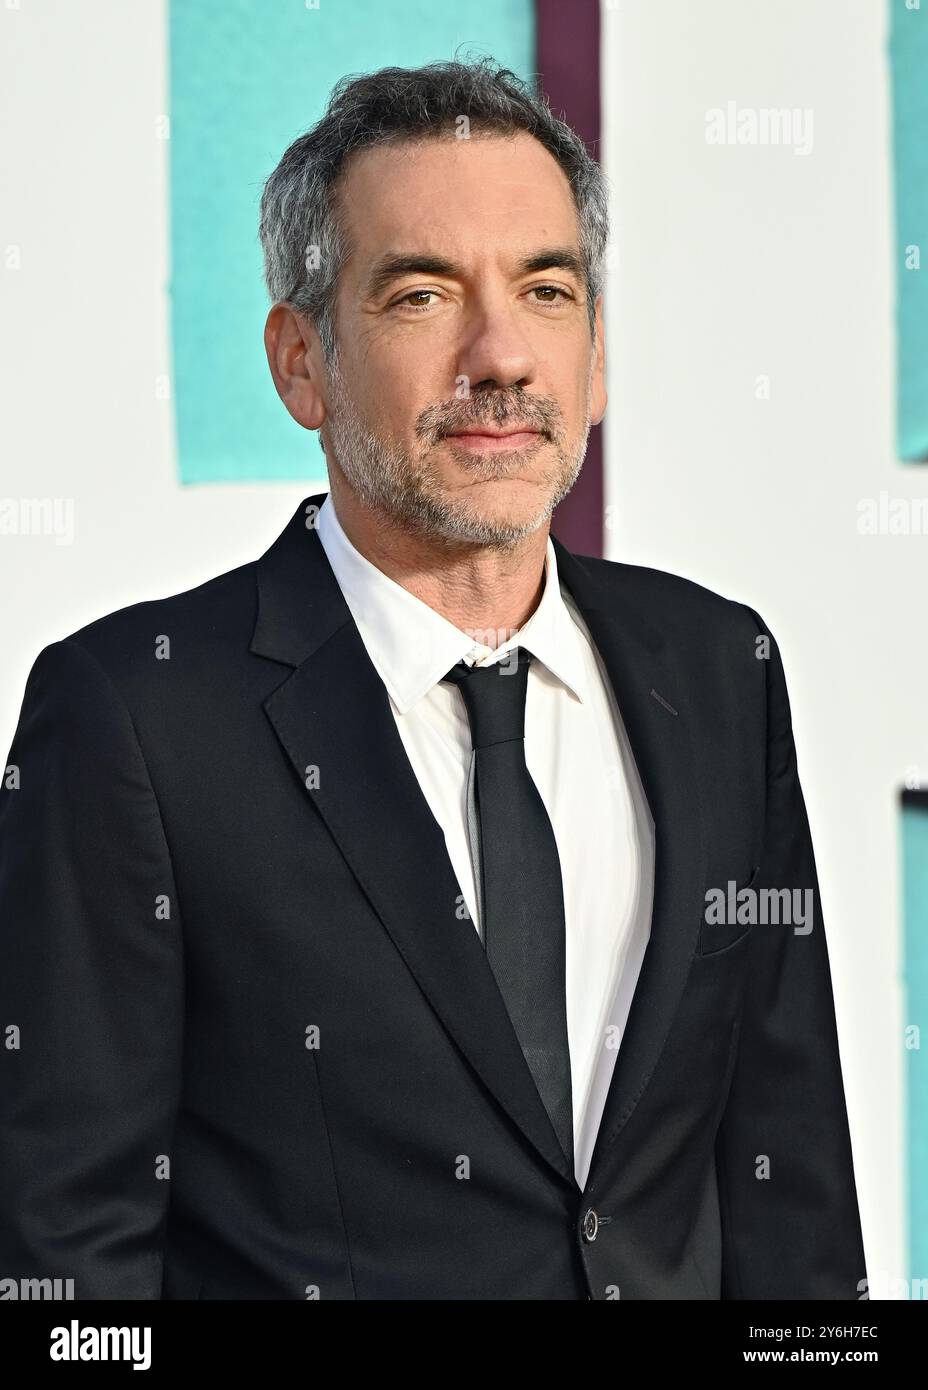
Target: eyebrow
(394, 265)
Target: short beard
(410, 491)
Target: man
(361, 927)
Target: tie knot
(495, 697)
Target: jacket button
(590, 1225)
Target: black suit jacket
(252, 1051)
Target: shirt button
(589, 1226)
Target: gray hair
(304, 240)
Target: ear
(294, 355)
(598, 397)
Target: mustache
(500, 408)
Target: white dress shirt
(579, 757)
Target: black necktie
(521, 889)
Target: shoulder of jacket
(671, 602)
(211, 613)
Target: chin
(505, 522)
(501, 494)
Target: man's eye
(415, 294)
(550, 289)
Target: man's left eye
(415, 294)
(550, 289)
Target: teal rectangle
(246, 78)
(915, 968)
(908, 54)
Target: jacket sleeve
(787, 1194)
(90, 991)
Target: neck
(481, 589)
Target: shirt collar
(413, 647)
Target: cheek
(570, 386)
(385, 407)
(397, 386)
(575, 407)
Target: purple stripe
(567, 59)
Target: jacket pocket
(717, 937)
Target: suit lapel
(332, 713)
(654, 703)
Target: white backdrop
(738, 262)
(732, 263)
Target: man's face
(454, 315)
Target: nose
(494, 351)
